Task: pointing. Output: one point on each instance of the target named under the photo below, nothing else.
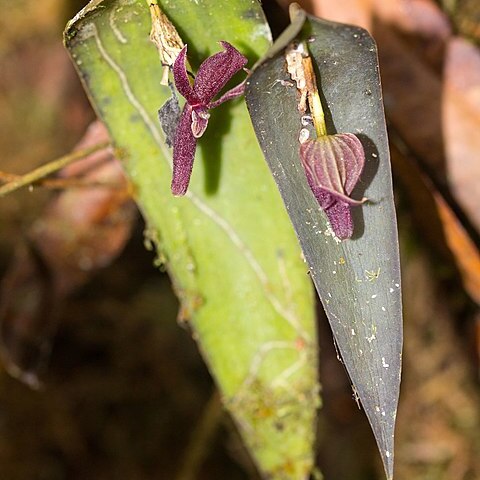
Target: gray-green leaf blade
(358, 280)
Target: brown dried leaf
(443, 231)
(412, 95)
(80, 231)
(28, 314)
(462, 246)
(420, 17)
(461, 124)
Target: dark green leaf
(358, 280)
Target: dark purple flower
(333, 165)
(212, 76)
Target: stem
(201, 438)
(314, 101)
(64, 183)
(49, 168)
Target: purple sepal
(340, 218)
(230, 95)
(333, 165)
(216, 71)
(183, 153)
(180, 76)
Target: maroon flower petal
(355, 155)
(334, 164)
(338, 213)
(216, 71)
(213, 75)
(183, 152)
(324, 199)
(340, 218)
(181, 77)
(230, 95)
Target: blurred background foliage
(126, 394)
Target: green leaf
(228, 244)
(358, 280)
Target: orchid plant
(233, 256)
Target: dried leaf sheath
(166, 38)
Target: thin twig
(49, 168)
(64, 183)
(200, 441)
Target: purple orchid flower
(333, 165)
(212, 76)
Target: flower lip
(199, 121)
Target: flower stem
(308, 74)
(314, 101)
(201, 439)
